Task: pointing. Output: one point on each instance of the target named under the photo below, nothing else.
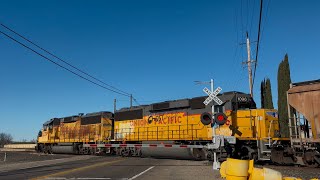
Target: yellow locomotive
(243, 130)
(247, 132)
(68, 134)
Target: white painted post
(213, 97)
(216, 164)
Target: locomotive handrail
(94, 132)
(157, 134)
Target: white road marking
(141, 173)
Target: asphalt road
(117, 168)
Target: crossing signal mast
(216, 119)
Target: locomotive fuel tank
(176, 153)
(63, 149)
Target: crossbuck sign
(212, 96)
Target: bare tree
(5, 139)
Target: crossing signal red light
(206, 118)
(220, 118)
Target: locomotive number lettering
(242, 99)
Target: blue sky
(152, 49)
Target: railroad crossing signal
(212, 96)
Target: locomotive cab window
(40, 134)
(244, 106)
(45, 127)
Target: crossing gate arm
(220, 142)
(144, 146)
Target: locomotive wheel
(45, 149)
(49, 149)
(137, 152)
(244, 153)
(198, 154)
(309, 159)
(86, 151)
(210, 155)
(125, 152)
(254, 156)
(92, 151)
(40, 148)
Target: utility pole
(114, 112)
(114, 106)
(130, 100)
(249, 61)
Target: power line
(265, 20)
(238, 52)
(241, 17)
(63, 60)
(48, 59)
(247, 10)
(134, 99)
(257, 51)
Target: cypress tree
(284, 81)
(262, 92)
(268, 95)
